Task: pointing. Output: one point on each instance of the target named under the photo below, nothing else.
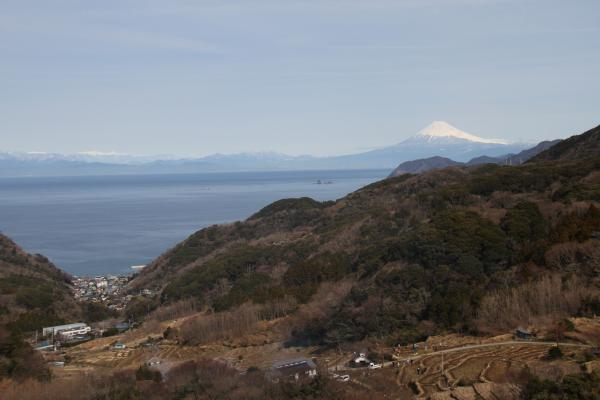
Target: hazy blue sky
(296, 76)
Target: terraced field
(483, 371)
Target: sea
(103, 225)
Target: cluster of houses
(109, 290)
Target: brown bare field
(473, 367)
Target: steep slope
(15, 261)
(579, 146)
(408, 256)
(33, 293)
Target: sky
(320, 77)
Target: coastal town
(109, 290)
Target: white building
(67, 331)
(68, 334)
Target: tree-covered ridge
(33, 293)
(421, 252)
(465, 230)
(33, 290)
(579, 146)
(15, 261)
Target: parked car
(58, 363)
(374, 366)
(153, 362)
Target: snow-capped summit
(441, 129)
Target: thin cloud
(375, 46)
(156, 41)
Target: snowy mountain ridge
(441, 129)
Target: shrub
(569, 325)
(577, 386)
(94, 312)
(144, 373)
(555, 353)
(110, 332)
(170, 333)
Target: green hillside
(420, 254)
(33, 293)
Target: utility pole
(443, 376)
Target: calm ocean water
(105, 224)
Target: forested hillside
(410, 255)
(33, 293)
(579, 146)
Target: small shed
(119, 346)
(46, 345)
(524, 334)
(122, 326)
(361, 359)
(294, 369)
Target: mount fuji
(440, 131)
(437, 139)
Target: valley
(444, 367)
(300, 200)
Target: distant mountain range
(438, 139)
(436, 162)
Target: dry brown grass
(541, 302)
(175, 310)
(208, 328)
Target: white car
(374, 366)
(344, 378)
